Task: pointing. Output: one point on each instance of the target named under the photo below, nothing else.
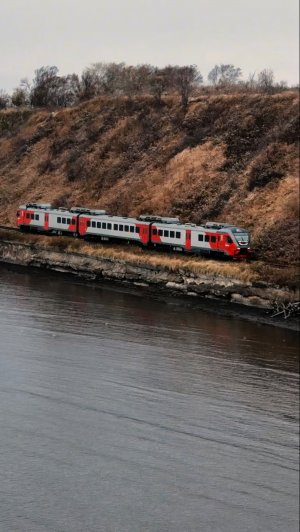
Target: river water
(121, 413)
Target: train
(216, 239)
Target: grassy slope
(230, 157)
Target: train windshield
(241, 236)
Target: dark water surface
(121, 413)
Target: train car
(33, 216)
(221, 240)
(42, 218)
(90, 224)
(37, 217)
(214, 238)
(109, 227)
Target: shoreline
(226, 297)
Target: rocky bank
(237, 294)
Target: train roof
(162, 219)
(171, 222)
(39, 206)
(74, 210)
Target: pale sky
(72, 34)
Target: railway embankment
(159, 278)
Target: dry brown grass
(255, 271)
(231, 157)
(243, 271)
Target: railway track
(8, 228)
(15, 229)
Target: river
(122, 413)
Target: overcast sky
(72, 34)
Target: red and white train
(213, 238)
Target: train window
(88, 223)
(137, 229)
(37, 216)
(172, 234)
(132, 228)
(93, 224)
(98, 225)
(200, 238)
(121, 227)
(115, 227)
(213, 239)
(206, 238)
(229, 240)
(126, 228)
(160, 232)
(103, 225)
(59, 220)
(166, 233)
(178, 234)
(108, 226)
(32, 216)
(73, 221)
(154, 231)
(63, 220)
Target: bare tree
(224, 75)
(251, 81)
(103, 78)
(88, 85)
(281, 85)
(128, 82)
(265, 80)
(186, 79)
(142, 78)
(137, 79)
(50, 90)
(20, 97)
(4, 99)
(213, 75)
(157, 84)
(64, 91)
(114, 79)
(25, 85)
(43, 85)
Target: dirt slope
(229, 157)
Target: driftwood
(285, 310)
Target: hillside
(229, 157)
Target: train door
(188, 239)
(46, 222)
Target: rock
(259, 295)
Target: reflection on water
(119, 412)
